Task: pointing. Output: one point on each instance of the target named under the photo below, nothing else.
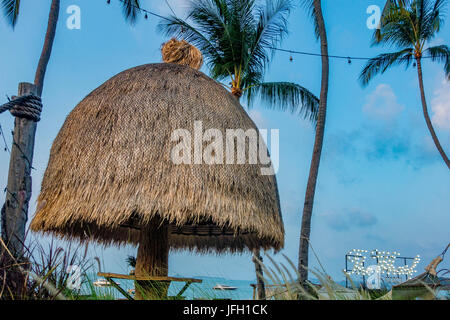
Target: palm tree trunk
(426, 115)
(237, 93)
(317, 151)
(14, 213)
(48, 46)
(152, 260)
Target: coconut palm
(236, 38)
(14, 217)
(410, 25)
(315, 8)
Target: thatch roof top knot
(181, 52)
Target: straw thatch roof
(110, 169)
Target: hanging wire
(170, 7)
(3, 134)
(348, 58)
(144, 10)
(445, 251)
(4, 140)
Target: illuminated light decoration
(385, 262)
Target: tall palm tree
(236, 37)
(410, 25)
(11, 10)
(14, 216)
(315, 8)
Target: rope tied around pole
(28, 106)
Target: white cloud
(382, 103)
(440, 106)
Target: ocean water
(205, 289)
(195, 291)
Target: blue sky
(382, 184)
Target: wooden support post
(186, 286)
(153, 260)
(18, 193)
(14, 213)
(257, 260)
(118, 287)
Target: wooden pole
(14, 213)
(257, 260)
(153, 260)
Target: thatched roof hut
(110, 171)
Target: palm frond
(440, 54)
(130, 10)
(11, 11)
(177, 27)
(233, 35)
(396, 29)
(271, 27)
(409, 22)
(382, 62)
(286, 96)
(432, 19)
(272, 24)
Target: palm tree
(14, 216)
(315, 8)
(410, 25)
(237, 37)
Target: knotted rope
(182, 52)
(28, 106)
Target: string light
(348, 58)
